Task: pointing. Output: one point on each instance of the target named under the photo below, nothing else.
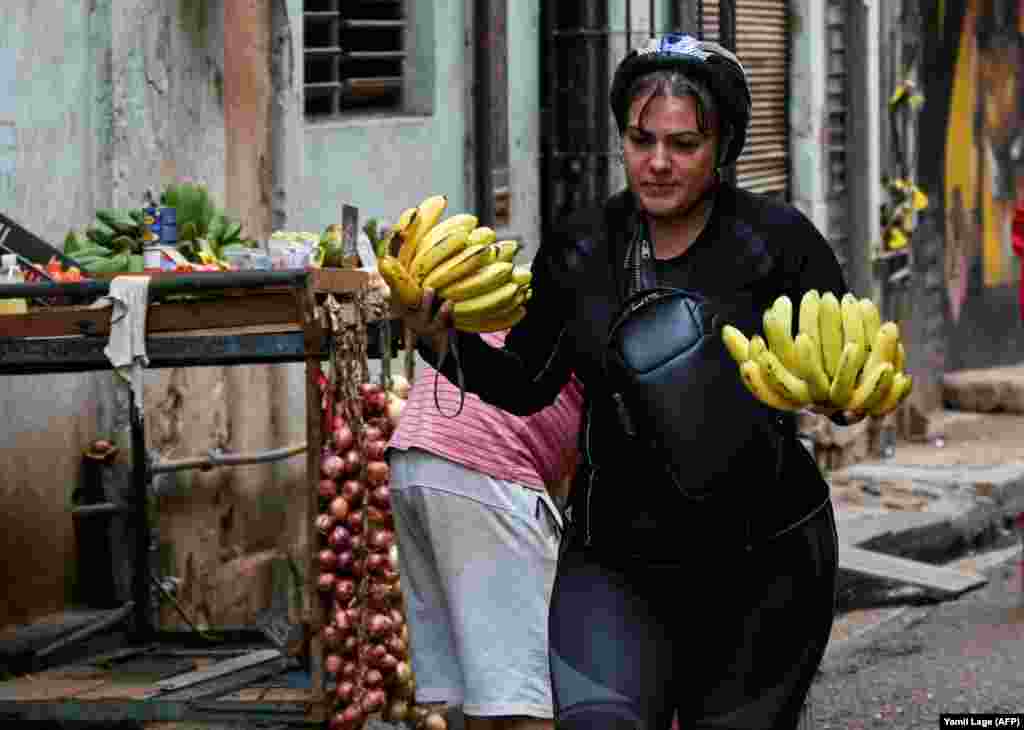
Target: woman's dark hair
(676, 85)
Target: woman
(718, 609)
(477, 546)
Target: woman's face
(669, 161)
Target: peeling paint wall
(385, 164)
(59, 111)
(112, 97)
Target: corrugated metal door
(837, 100)
(761, 33)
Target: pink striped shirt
(530, 450)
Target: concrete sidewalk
(929, 501)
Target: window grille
(354, 54)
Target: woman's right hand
(424, 322)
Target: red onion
(344, 590)
(350, 646)
(341, 620)
(355, 615)
(396, 617)
(358, 543)
(353, 490)
(375, 652)
(354, 521)
(343, 437)
(332, 664)
(373, 678)
(340, 538)
(339, 508)
(327, 489)
(375, 399)
(381, 540)
(380, 592)
(338, 722)
(381, 422)
(372, 433)
(366, 388)
(387, 663)
(331, 465)
(375, 449)
(381, 496)
(345, 560)
(331, 637)
(326, 582)
(377, 472)
(328, 560)
(349, 670)
(396, 646)
(353, 462)
(324, 524)
(374, 700)
(376, 562)
(379, 625)
(345, 691)
(353, 716)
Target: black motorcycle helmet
(705, 61)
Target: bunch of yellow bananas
(461, 261)
(842, 356)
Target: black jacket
(620, 499)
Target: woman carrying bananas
(706, 592)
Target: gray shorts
(477, 557)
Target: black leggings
(727, 643)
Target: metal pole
(483, 133)
(629, 25)
(140, 481)
(651, 21)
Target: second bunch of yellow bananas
(842, 356)
(461, 261)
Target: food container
(238, 260)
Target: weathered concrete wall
(111, 97)
(384, 164)
(56, 57)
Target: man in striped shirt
(478, 537)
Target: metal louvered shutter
(762, 43)
(354, 55)
(836, 103)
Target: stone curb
(963, 504)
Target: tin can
(168, 226)
(151, 229)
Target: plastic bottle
(11, 273)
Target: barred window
(355, 56)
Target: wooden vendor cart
(124, 668)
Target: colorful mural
(984, 148)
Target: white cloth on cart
(126, 348)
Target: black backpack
(678, 390)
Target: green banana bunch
(842, 357)
(199, 219)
